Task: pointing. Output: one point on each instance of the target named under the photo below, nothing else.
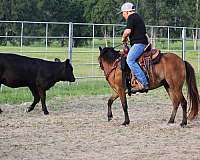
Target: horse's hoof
(170, 122)
(1, 111)
(125, 123)
(183, 125)
(110, 117)
(46, 112)
(28, 109)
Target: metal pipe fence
(79, 42)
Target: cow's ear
(67, 61)
(100, 49)
(57, 60)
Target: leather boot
(137, 86)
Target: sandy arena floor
(77, 129)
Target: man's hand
(124, 39)
(125, 35)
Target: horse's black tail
(193, 93)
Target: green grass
(61, 89)
(91, 87)
(83, 87)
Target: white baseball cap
(127, 7)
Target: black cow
(36, 74)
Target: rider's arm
(125, 35)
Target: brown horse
(171, 72)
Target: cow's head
(69, 76)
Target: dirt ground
(77, 129)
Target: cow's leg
(0, 108)
(43, 101)
(36, 96)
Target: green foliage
(101, 11)
(170, 12)
(38, 10)
(155, 12)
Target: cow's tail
(192, 92)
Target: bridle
(115, 65)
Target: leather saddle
(146, 62)
(148, 58)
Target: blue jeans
(134, 53)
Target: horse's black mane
(109, 54)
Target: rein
(115, 65)
(117, 46)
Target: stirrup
(135, 90)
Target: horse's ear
(100, 49)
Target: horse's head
(108, 54)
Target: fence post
(46, 40)
(152, 40)
(93, 36)
(198, 44)
(113, 36)
(70, 43)
(183, 42)
(168, 37)
(21, 40)
(93, 32)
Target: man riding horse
(162, 69)
(136, 31)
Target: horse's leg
(175, 101)
(179, 98)
(123, 99)
(184, 107)
(36, 96)
(110, 102)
